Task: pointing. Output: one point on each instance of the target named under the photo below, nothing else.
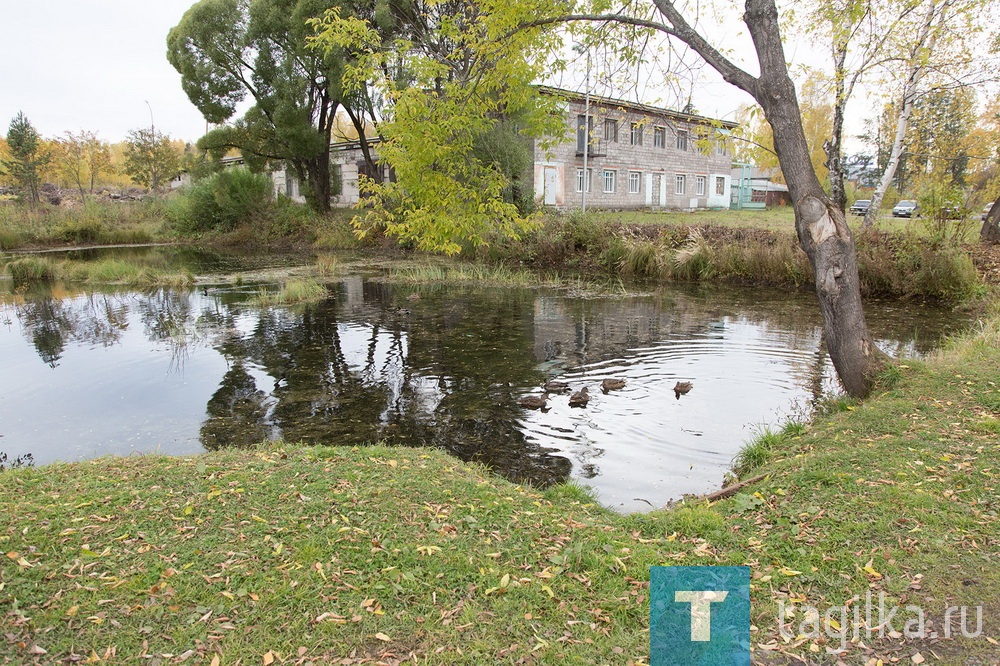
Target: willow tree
(232, 51)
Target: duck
(533, 401)
(554, 386)
(612, 384)
(682, 388)
(580, 398)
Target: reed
(293, 291)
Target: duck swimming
(533, 401)
(682, 388)
(580, 398)
(553, 386)
(612, 384)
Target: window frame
(682, 140)
(610, 176)
(659, 137)
(636, 177)
(635, 134)
(613, 135)
(680, 184)
(720, 181)
(580, 178)
(701, 185)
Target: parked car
(905, 208)
(861, 206)
(986, 212)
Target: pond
(96, 372)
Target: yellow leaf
(505, 581)
(188, 509)
(72, 610)
(268, 658)
(382, 637)
(215, 660)
(789, 572)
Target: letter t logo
(701, 610)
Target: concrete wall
(618, 167)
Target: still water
(90, 373)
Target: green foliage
(229, 50)
(909, 266)
(27, 157)
(31, 269)
(150, 158)
(455, 139)
(293, 291)
(763, 445)
(222, 201)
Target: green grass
(303, 553)
(293, 291)
(105, 271)
(95, 223)
(443, 273)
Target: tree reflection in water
(367, 365)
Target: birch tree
(942, 45)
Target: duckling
(580, 398)
(553, 386)
(612, 384)
(682, 388)
(533, 401)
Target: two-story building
(638, 157)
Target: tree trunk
(366, 152)
(925, 44)
(318, 172)
(990, 233)
(834, 147)
(821, 226)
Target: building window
(580, 179)
(611, 130)
(720, 185)
(610, 178)
(682, 140)
(634, 182)
(699, 185)
(659, 137)
(636, 134)
(720, 147)
(679, 184)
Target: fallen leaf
(268, 658)
(382, 637)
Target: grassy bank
(93, 223)
(288, 554)
(902, 264)
(35, 268)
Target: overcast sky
(94, 64)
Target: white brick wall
(659, 166)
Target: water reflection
(178, 371)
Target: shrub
(222, 201)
